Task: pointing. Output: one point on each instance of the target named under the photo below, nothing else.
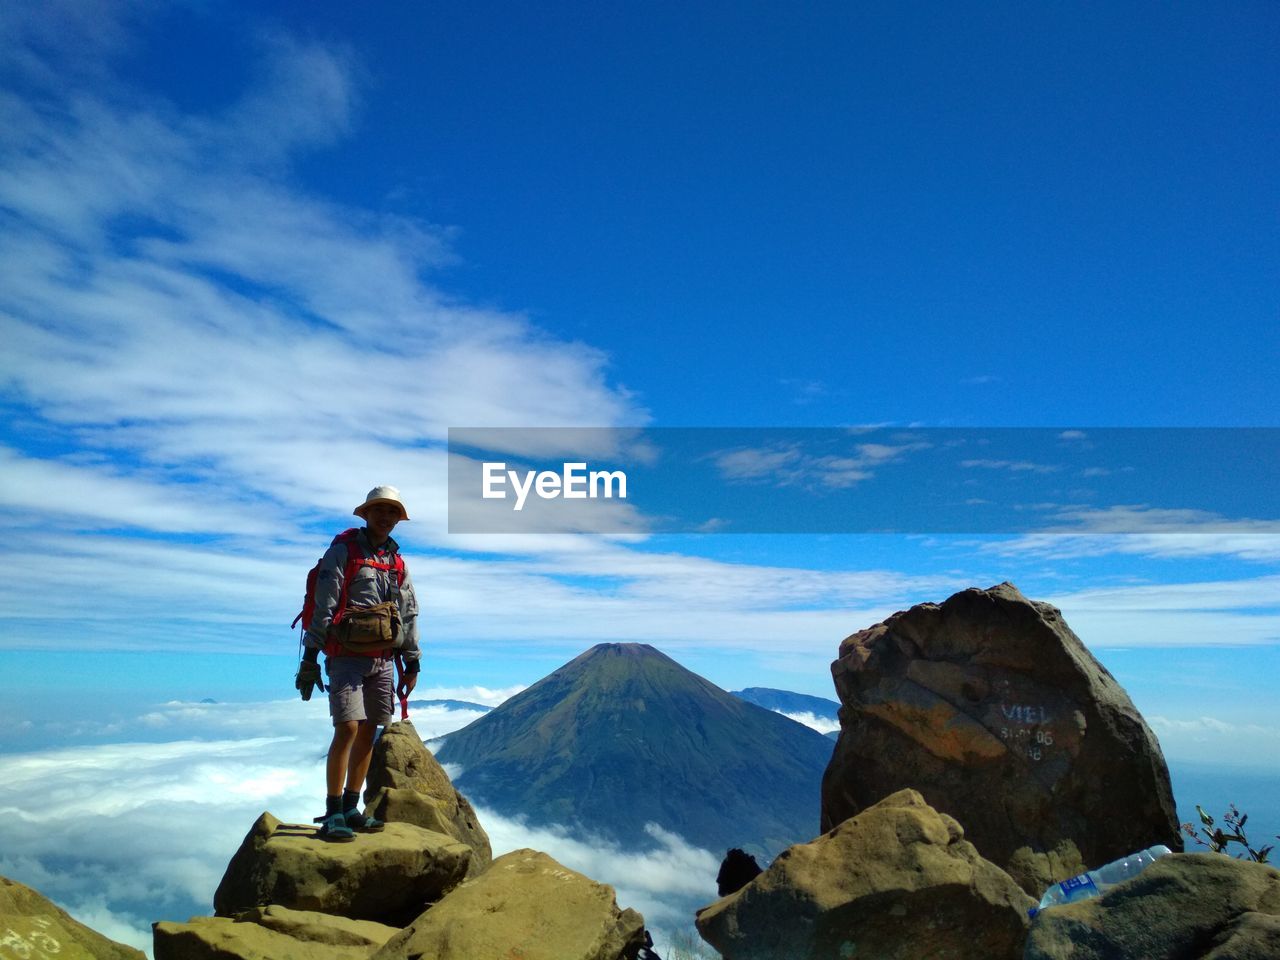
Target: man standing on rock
(363, 614)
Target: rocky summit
(410, 891)
(896, 882)
(389, 877)
(407, 785)
(624, 736)
(993, 709)
(532, 908)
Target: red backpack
(355, 560)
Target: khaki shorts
(360, 688)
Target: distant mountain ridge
(623, 736)
(449, 705)
(789, 702)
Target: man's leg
(377, 689)
(346, 707)
(361, 753)
(338, 770)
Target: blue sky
(254, 261)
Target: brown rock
(389, 877)
(896, 882)
(994, 710)
(33, 928)
(407, 784)
(1195, 906)
(1250, 936)
(270, 933)
(525, 905)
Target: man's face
(382, 518)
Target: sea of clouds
(127, 832)
(136, 822)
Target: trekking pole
(404, 697)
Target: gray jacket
(369, 586)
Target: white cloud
(821, 724)
(1213, 740)
(1200, 726)
(1217, 537)
(754, 464)
(1143, 519)
(1191, 614)
(128, 928)
(789, 464)
(572, 590)
(1255, 593)
(125, 833)
(100, 494)
(485, 695)
(805, 391)
(207, 356)
(1014, 466)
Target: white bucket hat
(382, 494)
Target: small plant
(1218, 838)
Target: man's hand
(308, 677)
(407, 682)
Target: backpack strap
(356, 559)
(397, 581)
(355, 556)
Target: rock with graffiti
(993, 709)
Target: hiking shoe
(334, 829)
(363, 822)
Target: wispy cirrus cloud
(1013, 466)
(1142, 519)
(805, 391)
(177, 311)
(1187, 614)
(1255, 593)
(1212, 726)
(1141, 530)
(791, 464)
(101, 494)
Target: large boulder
(389, 877)
(1195, 906)
(992, 708)
(406, 784)
(270, 933)
(896, 882)
(525, 905)
(33, 928)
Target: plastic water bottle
(1094, 883)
